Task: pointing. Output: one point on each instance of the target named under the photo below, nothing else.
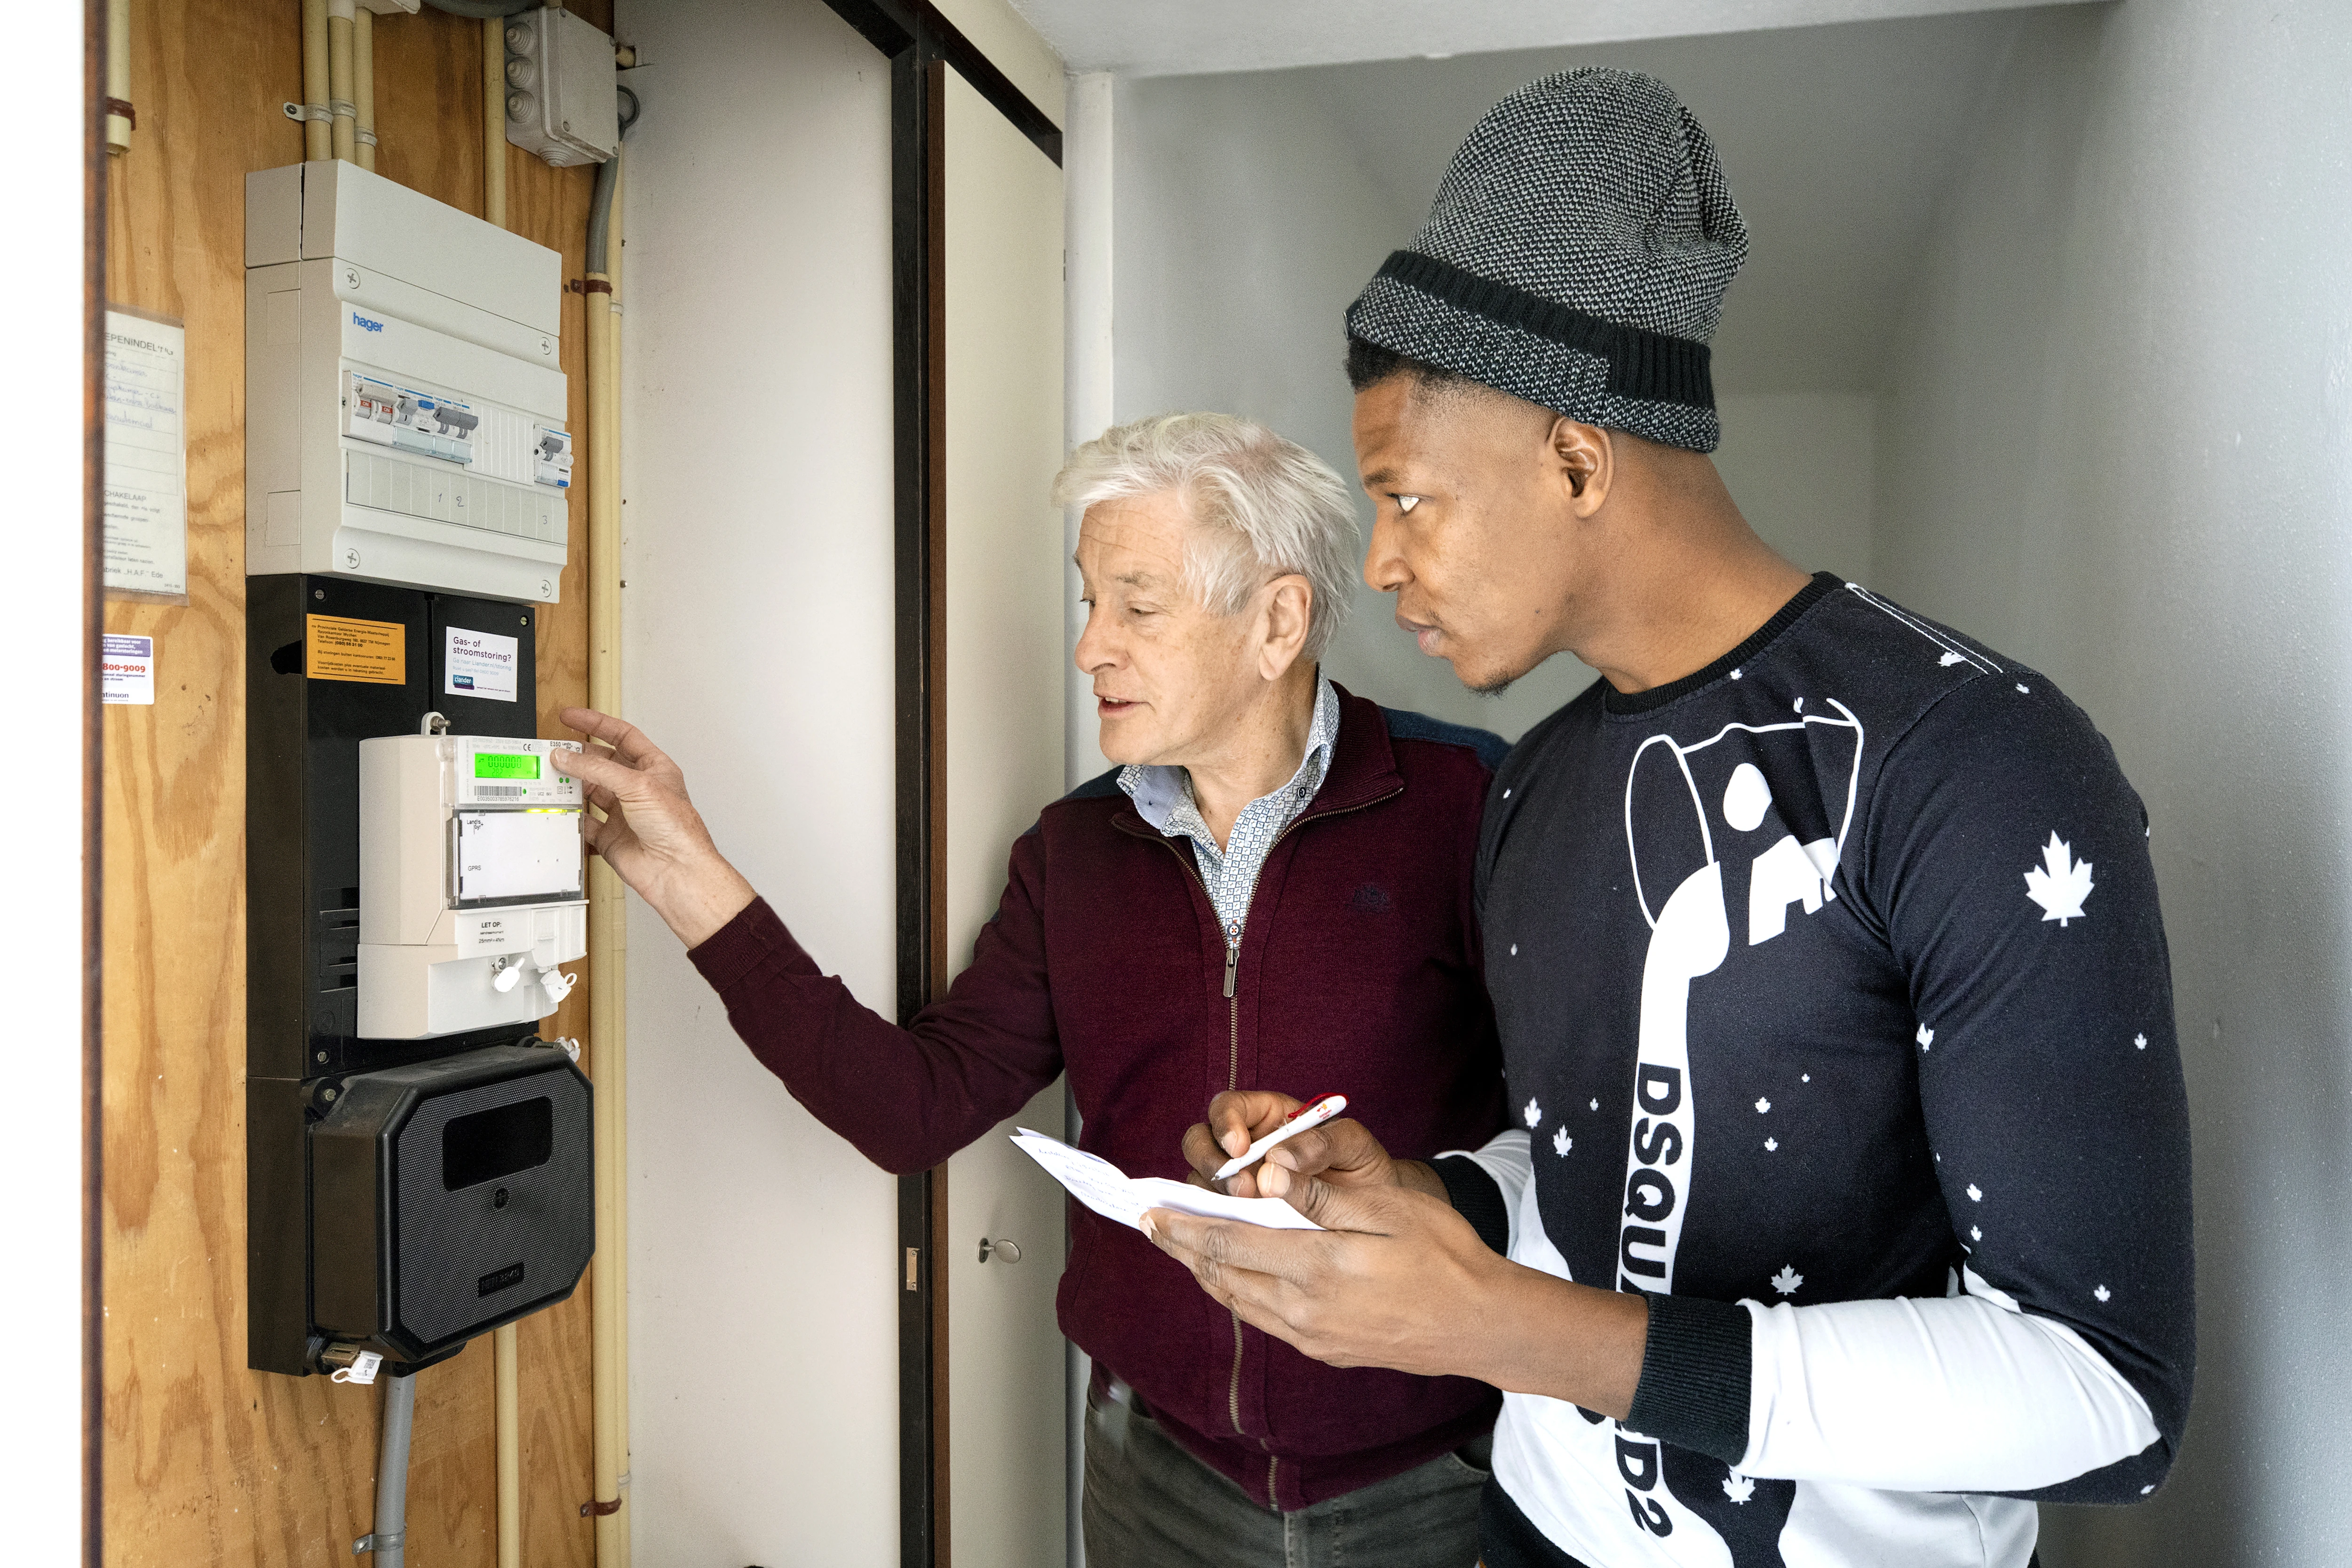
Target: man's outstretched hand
(651, 835)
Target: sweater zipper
(1233, 1068)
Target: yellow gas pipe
(317, 139)
(344, 126)
(363, 87)
(607, 932)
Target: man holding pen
(1847, 1208)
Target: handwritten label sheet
(1114, 1195)
(146, 455)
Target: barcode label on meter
(500, 792)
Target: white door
(1006, 1446)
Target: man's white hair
(1262, 508)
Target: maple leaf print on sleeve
(2059, 883)
(1787, 1281)
(1738, 1488)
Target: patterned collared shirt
(1164, 797)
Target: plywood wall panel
(205, 1461)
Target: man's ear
(1584, 458)
(1289, 605)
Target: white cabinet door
(1005, 1505)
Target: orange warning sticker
(337, 649)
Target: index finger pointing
(628, 742)
(599, 773)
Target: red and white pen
(1314, 1113)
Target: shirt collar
(1163, 794)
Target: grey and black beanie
(1576, 257)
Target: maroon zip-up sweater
(1359, 971)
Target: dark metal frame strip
(921, 45)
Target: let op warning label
(336, 647)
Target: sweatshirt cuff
(1476, 1198)
(754, 936)
(1696, 1371)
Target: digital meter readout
(505, 765)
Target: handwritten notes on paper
(1112, 1194)
(146, 455)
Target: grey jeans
(1150, 1504)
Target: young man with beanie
(1848, 1209)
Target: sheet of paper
(146, 455)
(1112, 1194)
(126, 669)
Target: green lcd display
(505, 765)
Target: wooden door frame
(921, 46)
(93, 797)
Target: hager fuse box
(472, 883)
(406, 404)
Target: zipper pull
(1233, 957)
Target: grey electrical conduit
(599, 204)
(389, 1541)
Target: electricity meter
(472, 882)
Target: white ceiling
(1837, 141)
(1184, 38)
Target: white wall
(1801, 466)
(757, 645)
(46, 644)
(2119, 446)
(1245, 223)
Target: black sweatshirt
(1837, 1014)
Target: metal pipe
(389, 1540)
(117, 76)
(318, 142)
(607, 926)
(506, 1360)
(510, 1422)
(494, 120)
(339, 80)
(616, 255)
(363, 85)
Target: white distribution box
(562, 97)
(472, 883)
(404, 404)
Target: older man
(1274, 888)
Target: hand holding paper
(1112, 1194)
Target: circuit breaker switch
(554, 455)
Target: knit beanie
(1576, 257)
